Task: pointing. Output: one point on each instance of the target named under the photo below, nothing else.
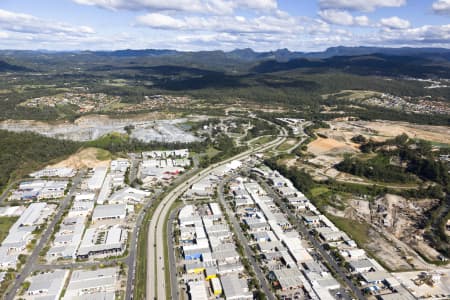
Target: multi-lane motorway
(156, 284)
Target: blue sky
(302, 25)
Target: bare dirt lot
(331, 146)
(439, 134)
(343, 130)
(89, 157)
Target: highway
(131, 259)
(32, 259)
(156, 285)
(172, 259)
(244, 242)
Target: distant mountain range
(420, 62)
(251, 55)
(285, 55)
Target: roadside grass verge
(262, 140)
(287, 145)
(141, 257)
(173, 207)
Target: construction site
(396, 225)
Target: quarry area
(92, 127)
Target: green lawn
(287, 144)
(103, 154)
(317, 191)
(5, 225)
(356, 230)
(211, 152)
(262, 140)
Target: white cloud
(25, 23)
(157, 20)
(342, 17)
(360, 5)
(335, 16)
(441, 7)
(318, 26)
(257, 4)
(362, 21)
(424, 35)
(261, 24)
(219, 7)
(395, 23)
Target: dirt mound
(88, 157)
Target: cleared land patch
(88, 157)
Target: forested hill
(6, 67)
(379, 60)
(375, 64)
(23, 152)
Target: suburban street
(156, 285)
(245, 243)
(32, 259)
(316, 245)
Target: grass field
(103, 154)
(262, 140)
(211, 152)
(5, 225)
(317, 191)
(289, 143)
(358, 231)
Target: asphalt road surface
(248, 252)
(317, 246)
(31, 261)
(156, 285)
(172, 258)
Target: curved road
(156, 285)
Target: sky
(192, 25)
